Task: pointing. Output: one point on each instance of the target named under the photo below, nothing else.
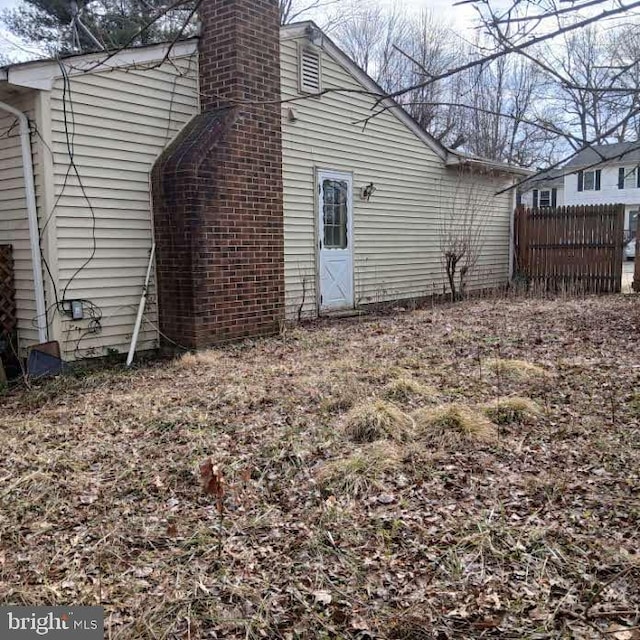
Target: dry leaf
(323, 597)
(212, 482)
(620, 632)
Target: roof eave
(456, 160)
(40, 74)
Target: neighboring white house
(602, 174)
(98, 126)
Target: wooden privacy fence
(575, 249)
(8, 318)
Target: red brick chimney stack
(218, 187)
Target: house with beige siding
(356, 206)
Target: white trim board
(42, 74)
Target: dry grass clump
(405, 389)
(453, 423)
(517, 370)
(342, 399)
(511, 410)
(377, 420)
(362, 471)
(193, 360)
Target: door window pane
(335, 194)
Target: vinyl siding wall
(14, 226)
(397, 234)
(117, 123)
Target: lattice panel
(8, 318)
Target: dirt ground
(467, 471)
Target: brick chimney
(217, 189)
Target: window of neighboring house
(545, 198)
(628, 178)
(589, 180)
(633, 224)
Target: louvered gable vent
(310, 73)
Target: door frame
(336, 174)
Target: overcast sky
(459, 17)
(441, 5)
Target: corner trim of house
(49, 244)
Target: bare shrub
(468, 209)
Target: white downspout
(32, 214)
(141, 307)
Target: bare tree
(296, 10)
(626, 50)
(398, 50)
(507, 114)
(580, 70)
(493, 110)
(369, 33)
(432, 48)
(594, 96)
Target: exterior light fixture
(368, 191)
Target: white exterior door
(335, 240)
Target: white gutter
(455, 160)
(32, 214)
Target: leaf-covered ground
(530, 533)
